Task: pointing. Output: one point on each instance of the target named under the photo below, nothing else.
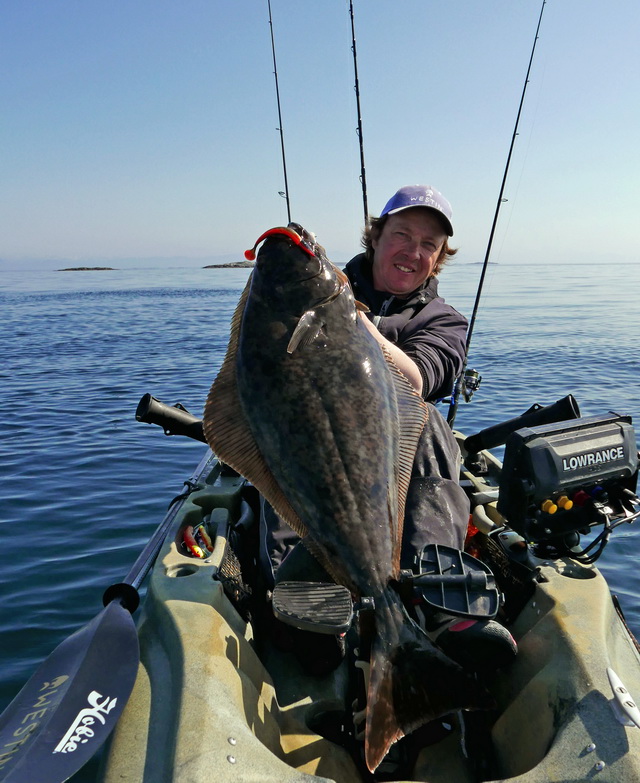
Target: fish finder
(560, 480)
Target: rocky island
(231, 265)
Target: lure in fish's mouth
(303, 239)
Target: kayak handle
(174, 419)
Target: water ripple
(84, 486)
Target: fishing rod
(363, 176)
(461, 386)
(275, 74)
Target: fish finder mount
(560, 481)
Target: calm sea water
(84, 485)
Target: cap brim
(447, 223)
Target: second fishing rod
(363, 177)
(468, 380)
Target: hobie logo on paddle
(593, 458)
(80, 730)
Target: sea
(84, 485)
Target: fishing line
(284, 159)
(363, 176)
(459, 387)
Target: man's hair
(373, 230)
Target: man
(396, 278)
(405, 248)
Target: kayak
(217, 698)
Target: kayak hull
(206, 706)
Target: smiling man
(405, 249)
(396, 277)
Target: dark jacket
(427, 329)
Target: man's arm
(404, 363)
(437, 347)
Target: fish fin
(411, 682)
(413, 414)
(308, 329)
(228, 434)
(310, 325)
(344, 281)
(381, 729)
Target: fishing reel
(471, 381)
(561, 481)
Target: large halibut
(309, 408)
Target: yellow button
(549, 507)
(565, 503)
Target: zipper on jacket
(383, 311)
(385, 306)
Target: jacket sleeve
(436, 341)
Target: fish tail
(411, 681)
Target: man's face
(407, 250)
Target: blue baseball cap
(420, 196)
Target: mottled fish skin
(327, 428)
(317, 415)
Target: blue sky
(148, 129)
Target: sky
(148, 129)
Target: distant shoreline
(231, 265)
(87, 269)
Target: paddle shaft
(147, 557)
(66, 710)
(127, 591)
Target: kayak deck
(215, 700)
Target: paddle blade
(67, 709)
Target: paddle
(68, 708)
